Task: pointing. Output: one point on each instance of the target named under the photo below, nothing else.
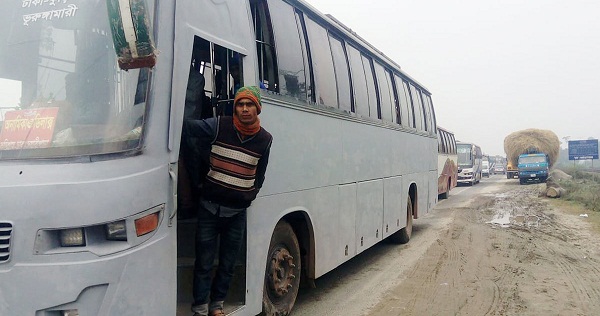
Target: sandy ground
(506, 253)
(496, 248)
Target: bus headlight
(101, 238)
(116, 231)
(72, 237)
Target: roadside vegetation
(583, 188)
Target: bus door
(214, 73)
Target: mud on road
(506, 253)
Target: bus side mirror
(131, 33)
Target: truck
(530, 154)
(511, 170)
(533, 166)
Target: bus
(447, 162)
(98, 194)
(469, 163)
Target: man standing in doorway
(239, 152)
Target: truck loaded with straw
(533, 152)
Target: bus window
(384, 93)
(427, 111)
(222, 74)
(264, 46)
(429, 104)
(418, 108)
(453, 142)
(373, 103)
(322, 64)
(394, 88)
(310, 78)
(447, 149)
(409, 106)
(359, 82)
(403, 101)
(292, 73)
(340, 63)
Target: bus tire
(282, 274)
(403, 236)
(444, 195)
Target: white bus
(469, 163)
(90, 158)
(447, 162)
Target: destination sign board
(583, 149)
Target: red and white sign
(32, 128)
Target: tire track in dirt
(569, 272)
(448, 275)
(575, 264)
(533, 264)
(442, 255)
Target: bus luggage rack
(5, 233)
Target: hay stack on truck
(533, 152)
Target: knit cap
(249, 92)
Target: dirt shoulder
(508, 253)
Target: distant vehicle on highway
(469, 163)
(485, 168)
(498, 169)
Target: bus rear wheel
(403, 236)
(282, 274)
(446, 194)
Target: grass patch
(583, 189)
(576, 209)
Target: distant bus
(447, 162)
(469, 163)
(91, 168)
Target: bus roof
(348, 33)
(445, 130)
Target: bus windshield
(62, 93)
(465, 158)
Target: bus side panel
(369, 215)
(306, 150)
(347, 220)
(324, 204)
(393, 208)
(433, 197)
(369, 152)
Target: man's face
(246, 111)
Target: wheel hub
(281, 272)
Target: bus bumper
(137, 282)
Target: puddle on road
(504, 218)
(508, 210)
(501, 218)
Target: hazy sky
(493, 67)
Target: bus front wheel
(282, 274)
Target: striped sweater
(237, 167)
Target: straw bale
(532, 141)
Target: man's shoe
(217, 312)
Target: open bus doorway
(214, 76)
